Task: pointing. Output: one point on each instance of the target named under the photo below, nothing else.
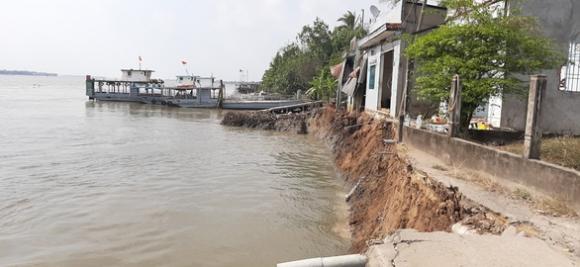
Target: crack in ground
(396, 246)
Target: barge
(191, 92)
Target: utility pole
(362, 20)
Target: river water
(118, 184)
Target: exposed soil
(294, 122)
(391, 195)
(388, 194)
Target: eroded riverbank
(388, 194)
(402, 213)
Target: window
(570, 73)
(372, 74)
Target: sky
(99, 37)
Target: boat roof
(137, 70)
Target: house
(561, 103)
(560, 110)
(375, 74)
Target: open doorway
(387, 81)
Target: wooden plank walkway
(298, 108)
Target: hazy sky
(101, 36)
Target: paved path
(558, 243)
(408, 248)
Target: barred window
(570, 73)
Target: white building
(380, 67)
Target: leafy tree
(316, 48)
(348, 20)
(489, 50)
(343, 34)
(283, 75)
(315, 39)
(323, 86)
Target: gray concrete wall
(555, 181)
(560, 109)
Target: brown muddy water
(117, 184)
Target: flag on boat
(184, 62)
(140, 58)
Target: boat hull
(259, 105)
(195, 103)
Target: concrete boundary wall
(549, 179)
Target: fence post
(533, 137)
(455, 107)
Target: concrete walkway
(557, 243)
(410, 248)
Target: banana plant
(322, 85)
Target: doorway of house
(387, 81)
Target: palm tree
(348, 20)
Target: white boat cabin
(190, 81)
(131, 75)
(187, 81)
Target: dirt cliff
(387, 193)
(293, 122)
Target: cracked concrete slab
(558, 232)
(410, 248)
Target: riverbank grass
(564, 151)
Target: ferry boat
(197, 92)
(190, 92)
(247, 87)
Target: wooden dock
(297, 108)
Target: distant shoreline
(26, 73)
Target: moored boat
(190, 92)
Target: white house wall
(389, 14)
(375, 57)
(373, 98)
(395, 85)
(494, 111)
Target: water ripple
(116, 184)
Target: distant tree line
(305, 63)
(26, 73)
